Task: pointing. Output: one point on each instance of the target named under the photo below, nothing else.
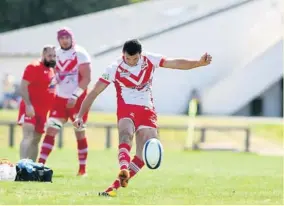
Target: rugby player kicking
(132, 76)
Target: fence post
(202, 138)
(11, 135)
(108, 137)
(60, 138)
(247, 146)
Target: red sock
(82, 146)
(46, 148)
(115, 185)
(135, 166)
(123, 155)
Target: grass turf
(183, 178)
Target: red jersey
(42, 85)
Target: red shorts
(142, 117)
(38, 120)
(60, 111)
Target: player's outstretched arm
(185, 64)
(90, 98)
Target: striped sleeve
(109, 75)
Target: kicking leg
(137, 163)
(142, 136)
(53, 127)
(126, 130)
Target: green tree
(16, 14)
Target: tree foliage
(16, 14)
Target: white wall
(14, 66)
(104, 29)
(243, 85)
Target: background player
(73, 71)
(132, 75)
(38, 91)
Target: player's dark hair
(132, 47)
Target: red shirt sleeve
(162, 62)
(29, 74)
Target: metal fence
(109, 127)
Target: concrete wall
(245, 84)
(271, 103)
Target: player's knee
(146, 132)
(140, 134)
(125, 136)
(54, 124)
(28, 130)
(27, 139)
(28, 127)
(36, 140)
(80, 134)
(82, 129)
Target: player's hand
(205, 60)
(78, 123)
(30, 112)
(71, 103)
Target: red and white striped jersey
(67, 69)
(133, 84)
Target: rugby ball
(152, 153)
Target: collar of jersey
(139, 62)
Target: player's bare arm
(88, 101)
(185, 64)
(26, 97)
(85, 73)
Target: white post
(192, 111)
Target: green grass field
(199, 177)
(183, 178)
